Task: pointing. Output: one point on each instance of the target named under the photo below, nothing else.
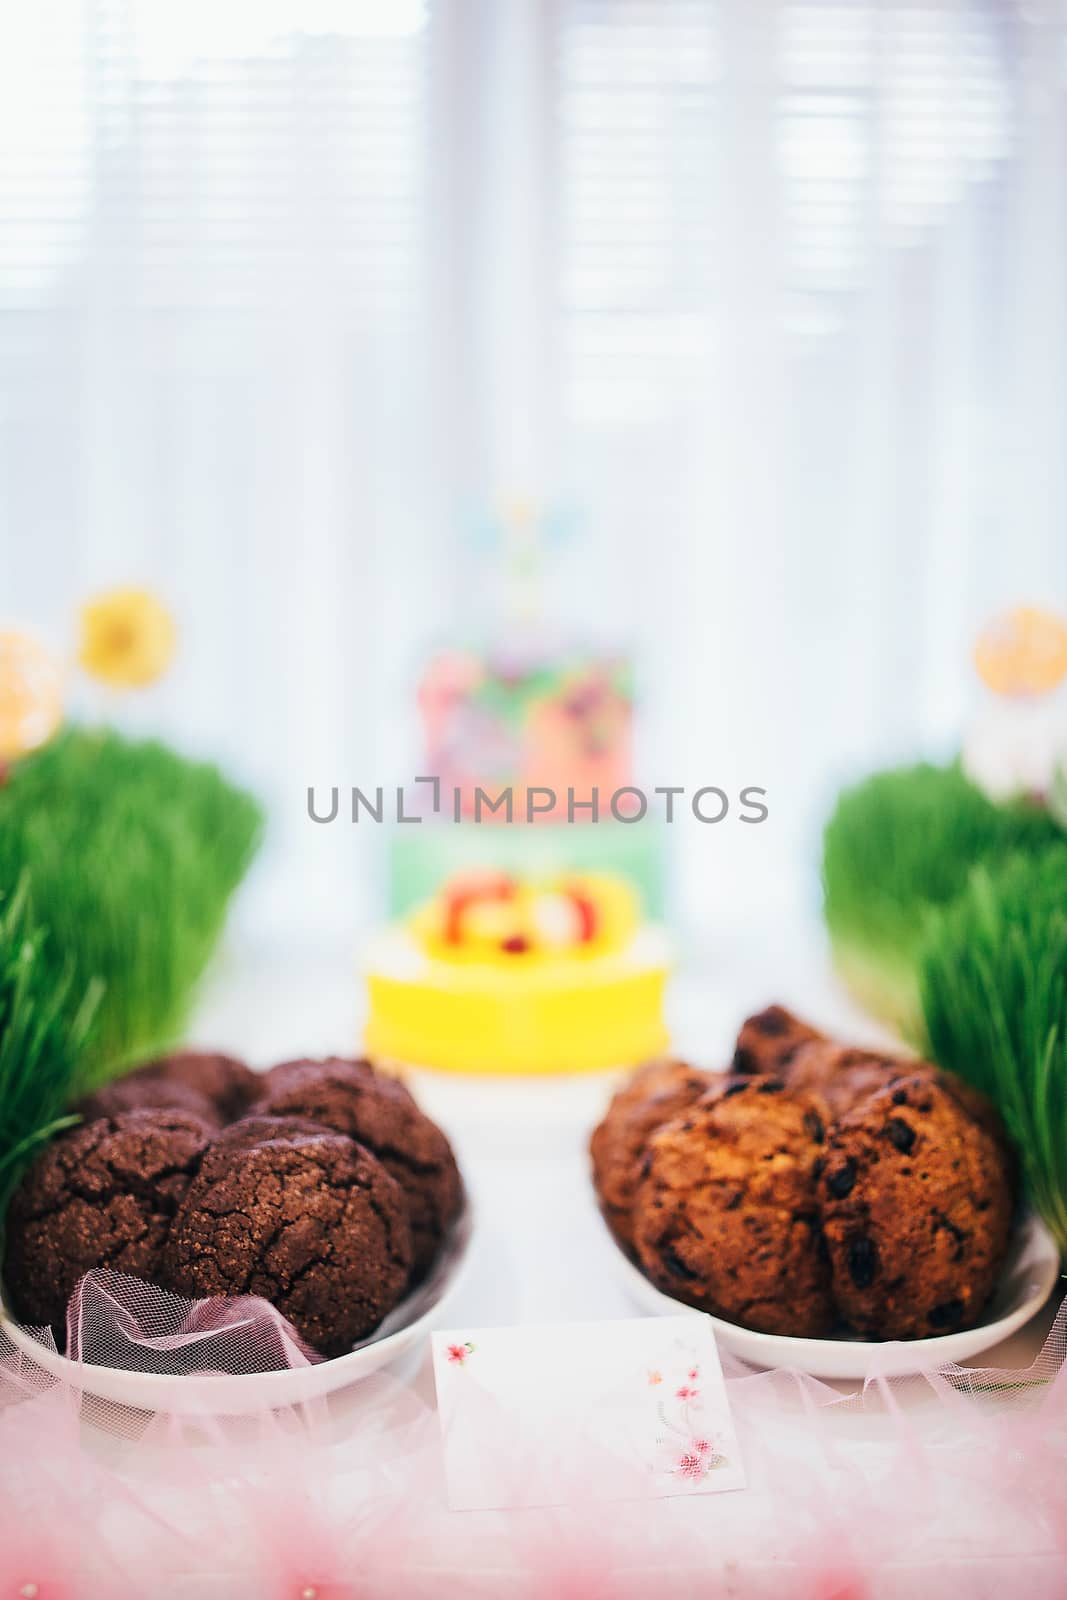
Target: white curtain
(768, 301)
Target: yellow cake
(499, 974)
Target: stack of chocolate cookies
(814, 1189)
(319, 1185)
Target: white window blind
(771, 296)
(641, 150)
(887, 112)
(806, 300)
(212, 262)
(212, 155)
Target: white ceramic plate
(1030, 1271)
(222, 1394)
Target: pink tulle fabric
(950, 1484)
(114, 1320)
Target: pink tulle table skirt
(952, 1484)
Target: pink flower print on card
(695, 1463)
(459, 1354)
(687, 1452)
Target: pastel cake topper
(1023, 652)
(1015, 746)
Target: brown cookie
(214, 1086)
(981, 1110)
(377, 1111)
(725, 1216)
(845, 1075)
(304, 1217)
(654, 1095)
(256, 1129)
(840, 1076)
(768, 1041)
(101, 1195)
(917, 1206)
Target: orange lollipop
(31, 695)
(1023, 652)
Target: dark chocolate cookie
(302, 1216)
(654, 1095)
(769, 1040)
(214, 1086)
(726, 1213)
(101, 1195)
(917, 1206)
(377, 1111)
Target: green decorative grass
(899, 847)
(45, 1023)
(132, 854)
(993, 985)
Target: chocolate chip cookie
(842, 1076)
(769, 1040)
(917, 1205)
(655, 1094)
(726, 1212)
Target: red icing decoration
(587, 915)
(469, 891)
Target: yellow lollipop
(1023, 652)
(31, 695)
(127, 638)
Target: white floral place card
(548, 1415)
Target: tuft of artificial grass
(132, 854)
(993, 985)
(45, 1023)
(898, 847)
